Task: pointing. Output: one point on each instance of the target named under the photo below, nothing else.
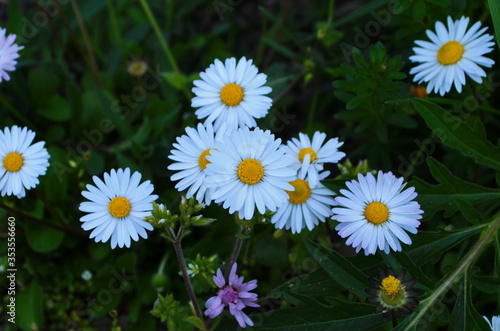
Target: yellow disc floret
(13, 162)
(231, 94)
(391, 285)
(307, 150)
(450, 53)
(202, 160)
(376, 212)
(250, 171)
(301, 193)
(119, 207)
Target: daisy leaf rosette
(232, 93)
(306, 207)
(250, 170)
(117, 207)
(8, 54)
(375, 213)
(451, 54)
(310, 155)
(22, 162)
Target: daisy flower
(392, 294)
(236, 295)
(191, 153)
(311, 155)
(376, 213)
(8, 54)
(494, 324)
(306, 206)
(22, 162)
(451, 54)
(250, 170)
(231, 93)
(117, 207)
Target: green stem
(72, 231)
(17, 114)
(420, 154)
(185, 276)
(312, 110)
(115, 27)
(164, 45)
(331, 10)
(463, 266)
(88, 46)
(236, 250)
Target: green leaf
(495, 16)
(358, 100)
(469, 212)
(400, 260)
(429, 245)
(455, 133)
(316, 284)
(450, 188)
(39, 237)
(177, 81)
(196, 321)
(29, 308)
(464, 316)
(419, 10)
(488, 284)
(339, 268)
(57, 109)
(280, 48)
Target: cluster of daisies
(230, 161)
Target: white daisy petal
(376, 213)
(232, 94)
(117, 207)
(20, 163)
(238, 172)
(451, 54)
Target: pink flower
(236, 295)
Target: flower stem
(416, 159)
(236, 251)
(462, 267)
(185, 276)
(88, 46)
(72, 231)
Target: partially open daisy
(495, 322)
(310, 155)
(137, 68)
(451, 54)
(250, 170)
(306, 206)
(191, 153)
(375, 213)
(8, 54)
(21, 163)
(392, 294)
(231, 93)
(117, 207)
(235, 295)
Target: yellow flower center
(450, 53)
(231, 94)
(13, 162)
(202, 160)
(376, 213)
(307, 150)
(250, 171)
(137, 68)
(391, 285)
(119, 207)
(392, 294)
(301, 193)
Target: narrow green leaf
(455, 133)
(450, 188)
(495, 16)
(459, 315)
(358, 100)
(469, 212)
(339, 268)
(405, 262)
(280, 48)
(488, 284)
(29, 308)
(429, 245)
